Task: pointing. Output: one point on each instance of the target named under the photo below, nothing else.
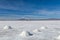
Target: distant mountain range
(25, 19)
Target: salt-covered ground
(30, 30)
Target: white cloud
(46, 12)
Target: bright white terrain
(30, 30)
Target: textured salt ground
(44, 35)
(51, 33)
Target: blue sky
(15, 9)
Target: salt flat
(51, 32)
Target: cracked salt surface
(30, 30)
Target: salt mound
(58, 37)
(7, 27)
(25, 34)
(44, 28)
(36, 30)
(40, 29)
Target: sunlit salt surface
(30, 30)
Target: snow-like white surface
(30, 30)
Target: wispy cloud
(47, 12)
